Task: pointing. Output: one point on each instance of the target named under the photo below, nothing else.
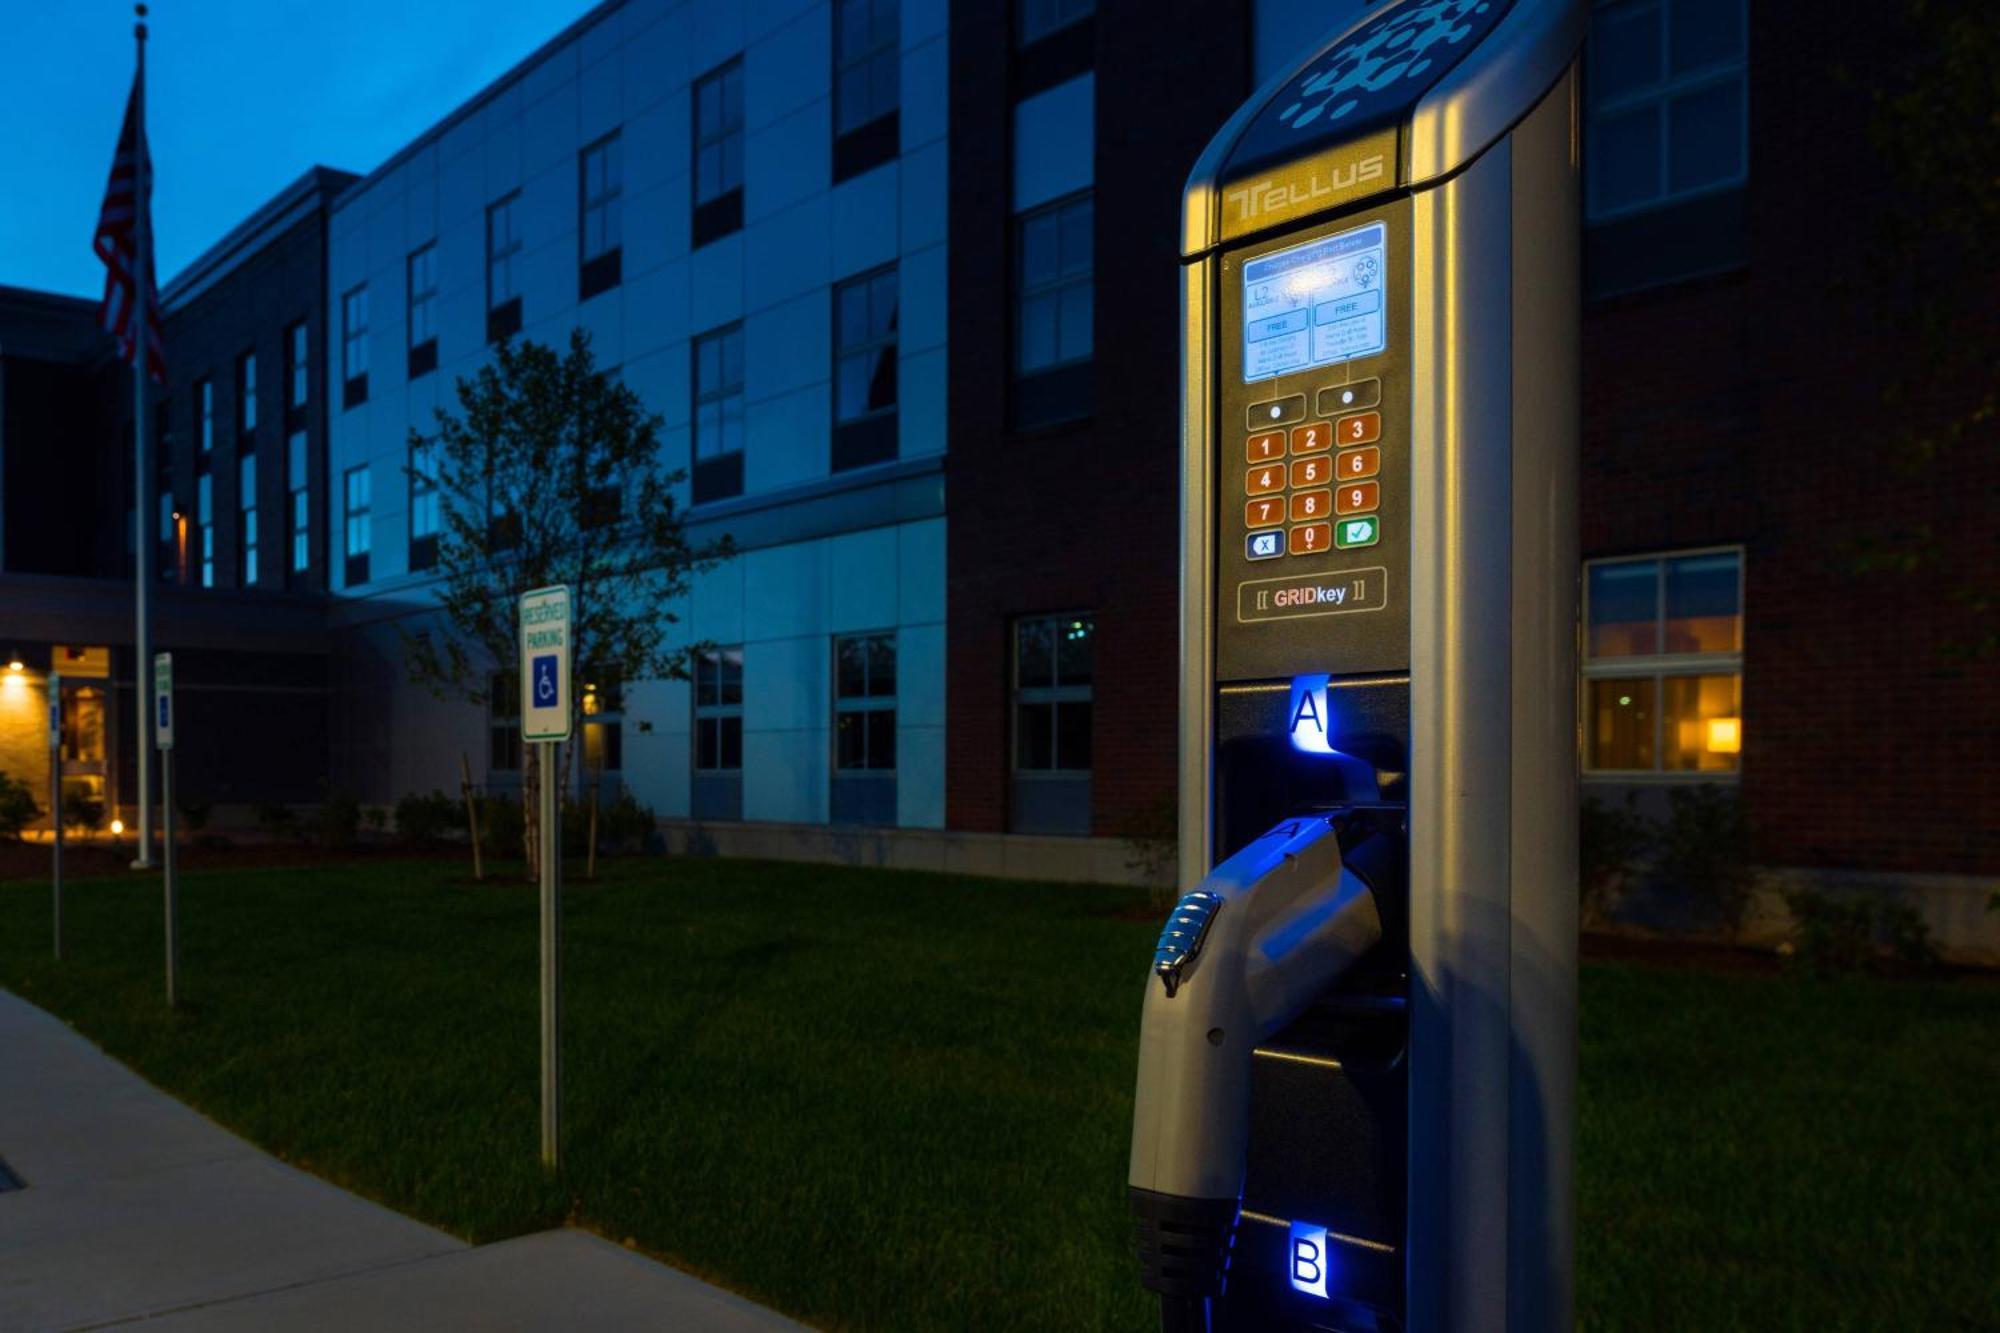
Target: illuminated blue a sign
(1305, 1261)
(1307, 718)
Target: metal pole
(142, 467)
(551, 964)
(55, 797)
(172, 894)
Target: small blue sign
(164, 722)
(545, 680)
(1265, 545)
(1307, 1260)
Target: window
(423, 310)
(246, 395)
(503, 722)
(170, 546)
(301, 509)
(598, 183)
(359, 532)
(423, 505)
(1039, 18)
(204, 518)
(718, 414)
(867, 82)
(354, 346)
(864, 729)
(503, 249)
(297, 366)
(603, 704)
(1663, 669)
(246, 516)
(864, 369)
(718, 153)
(1052, 723)
(718, 709)
(1665, 115)
(1053, 282)
(204, 396)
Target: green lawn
(901, 1101)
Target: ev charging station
(1355, 1103)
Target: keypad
(1313, 485)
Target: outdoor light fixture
(14, 665)
(117, 827)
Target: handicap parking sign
(545, 681)
(545, 654)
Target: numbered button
(1350, 532)
(1357, 499)
(1265, 513)
(1312, 538)
(1265, 447)
(1264, 480)
(1310, 439)
(1312, 472)
(1310, 505)
(1264, 545)
(1361, 428)
(1358, 463)
(1346, 397)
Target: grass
(901, 1101)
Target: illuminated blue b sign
(1307, 718)
(1306, 1261)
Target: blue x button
(1265, 545)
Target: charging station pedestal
(1379, 584)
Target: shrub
(1152, 846)
(500, 827)
(194, 812)
(80, 810)
(276, 818)
(1610, 841)
(339, 819)
(625, 824)
(426, 819)
(1844, 934)
(376, 817)
(17, 807)
(1704, 851)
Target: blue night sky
(243, 96)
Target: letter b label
(1309, 1259)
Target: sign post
(545, 721)
(55, 797)
(163, 737)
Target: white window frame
(1661, 95)
(718, 710)
(861, 704)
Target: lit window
(296, 487)
(204, 517)
(204, 394)
(1663, 672)
(246, 519)
(1665, 113)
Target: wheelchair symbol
(545, 681)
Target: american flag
(115, 241)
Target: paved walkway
(136, 1208)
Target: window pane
(850, 739)
(1624, 609)
(850, 668)
(1040, 249)
(1073, 651)
(885, 80)
(707, 741)
(882, 666)
(1625, 158)
(1038, 332)
(1074, 333)
(1034, 654)
(732, 742)
(1076, 240)
(881, 727)
(851, 387)
(732, 675)
(1702, 727)
(882, 382)
(1034, 737)
(1704, 614)
(1706, 135)
(1624, 50)
(852, 321)
(1703, 33)
(1621, 723)
(1073, 736)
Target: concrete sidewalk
(136, 1208)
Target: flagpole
(143, 553)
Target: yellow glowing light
(1725, 735)
(117, 827)
(16, 665)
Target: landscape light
(117, 827)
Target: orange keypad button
(1358, 463)
(1265, 513)
(1311, 439)
(1312, 472)
(1357, 499)
(1312, 538)
(1361, 428)
(1263, 448)
(1307, 505)
(1264, 480)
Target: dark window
(599, 183)
(1039, 18)
(503, 249)
(298, 366)
(423, 310)
(246, 519)
(503, 708)
(718, 710)
(359, 531)
(1053, 669)
(1666, 113)
(718, 152)
(246, 395)
(864, 369)
(354, 346)
(718, 414)
(204, 406)
(867, 84)
(301, 508)
(204, 518)
(1053, 286)
(864, 702)
(424, 505)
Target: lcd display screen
(1315, 304)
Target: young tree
(550, 473)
